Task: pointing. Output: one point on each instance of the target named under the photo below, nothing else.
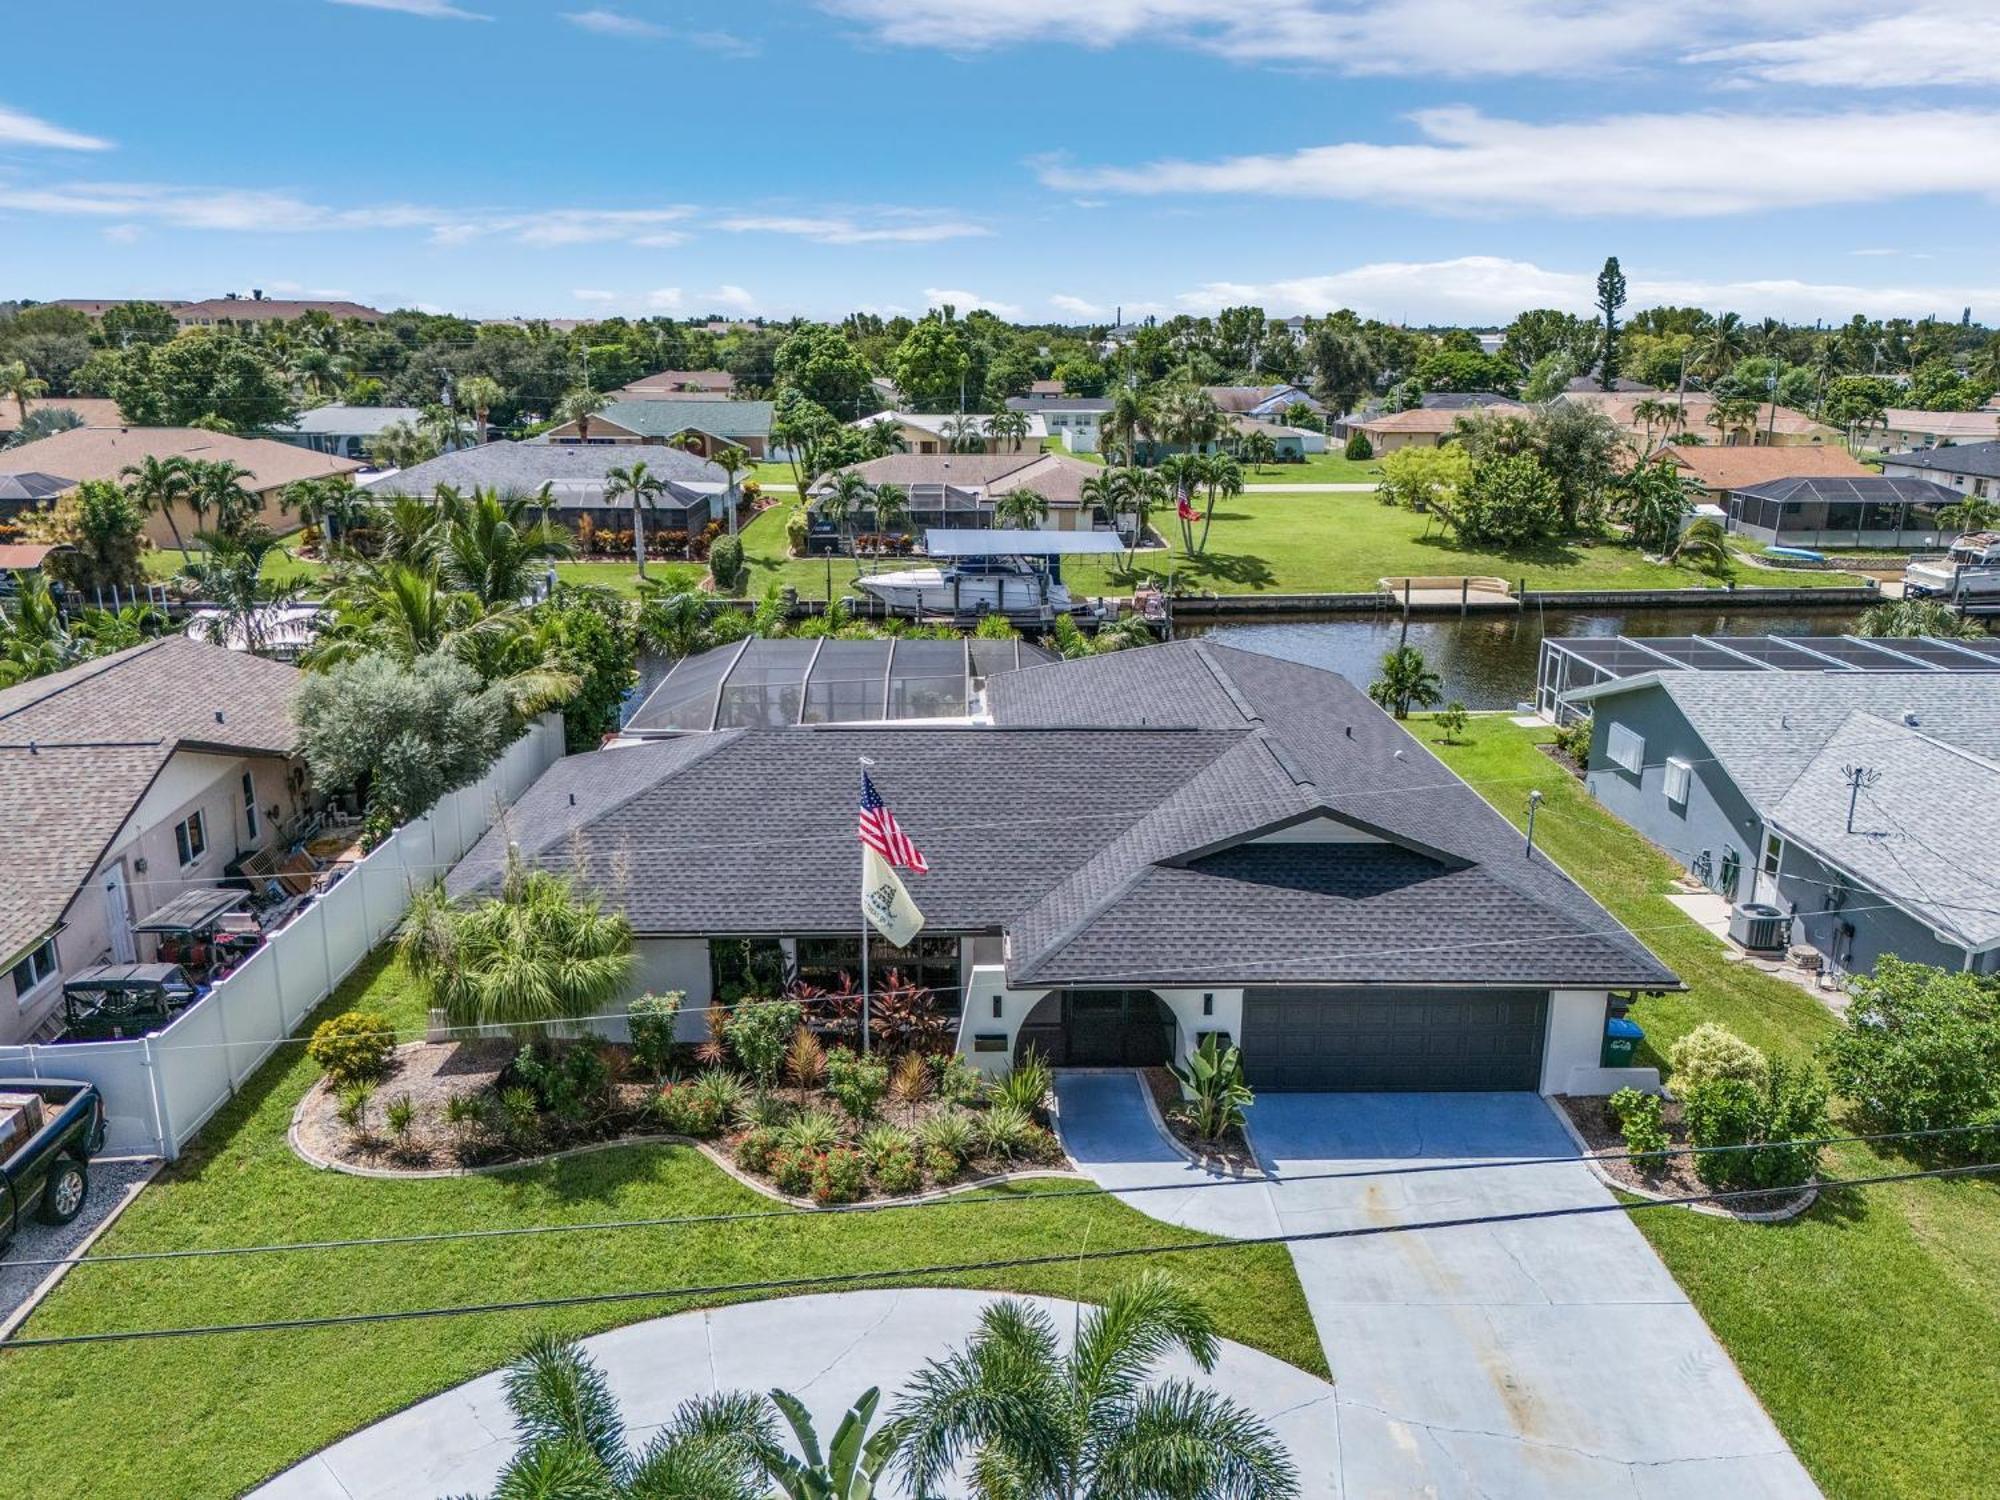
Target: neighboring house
(575, 475)
(1459, 402)
(1423, 426)
(1969, 468)
(1580, 384)
(940, 432)
(1776, 426)
(1902, 428)
(1076, 421)
(680, 385)
(1263, 400)
(346, 431)
(104, 452)
(1876, 511)
(1289, 444)
(1720, 472)
(959, 489)
(257, 308)
(712, 425)
(97, 307)
(1743, 778)
(1140, 849)
(123, 783)
(19, 492)
(1046, 388)
(92, 411)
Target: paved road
(1550, 1360)
(825, 1349)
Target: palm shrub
(520, 1118)
(353, 1047)
(351, 1108)
(1217, 1096)
(910, 1083)
(1713, 1051)
(1645, 1132)
(857, 1082)
(466, 1117)
(723, 1092)
(1034, 1421)
(1005, 1130)
(812, 1130)
(1406, 679)
(949, 1138)
(1025, 1085)
(651, 1019)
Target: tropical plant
(1025, 1086)
(1133, 415)
(216, 488)
(1913, 617)
(1973, 513)
(1039, 1424)
(1655, 499)
(399, 445)
(910, 1083)
(840, 499)
(479, 394)
(1641, 1123)
(853, 1463)
(1007, 423)
(1451, 721)
(331, 503)
(805, 1062)
(100, 536)
(1406, 679)
(632, 482)
(732, 460)
(1223, 477)
(651, 1019)
(673, 619)
(491, 547)
(157, 485)
(1216, 1094)
(891, 503)
(231, 577)
(1022, 507)
(21, 385)
(1713, 1051)
(579, 406)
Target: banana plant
(1218, 1096)
(850, 1469)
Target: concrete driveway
(824, 1349)
(1555, 1358)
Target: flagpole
(865, 924)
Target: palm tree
(644, 489)
(410, 530)
(35, 641)
(1224, 477)
(1651, 411)
(892, 506)
(1132, 414)
(1703, 544)
(839, 501)
(1973, 513)
(885, 436)
(1183, 473)
(1910, 617)
(491, 551)
(579, 406)
(230, 578)
(395, 608)
(479, 394)
(442, 426)
(400, 446)
(1733, 414)
(732, 459)
(1719, 346)
(159, 484)
(1102, 491)
(1022, 507)
(672, 619)
(1040, 1425)
(1259, 449)
(19, 383)
(1655, 500)
(331, 503)
(964, 433)
(1009, 423)
(316, 370)
(1406, 679)
(1145, 491)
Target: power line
(938, 1270)
(961, 1200)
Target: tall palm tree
(492, 550)
(19, 383)
(885, 436)
(1406, 679)
(1653, 412)
(1733, 414)
(1037, 1424)
(1719, 346)
(1102, 491)
(892, 506)
(479, 394)
(579, 406)
(159, 484)
(964, 433)
(400, 446)
(1132, 415)
(732, 459)
(316, 370)
(218, 490)
(231, 578)
(841, 499)
(644, 490)
(1183, 474)
(1009, 423)
(1022, 507)
(1224, 478)
(1259, 449)
(331, 503)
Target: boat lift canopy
(942, 542)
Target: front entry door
(1116, 1029)
(118, 914)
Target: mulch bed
(1563, 758)
(1674, 1177)
(1231, 1154)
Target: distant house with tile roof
(257, 308)
(1424, 426)
(1900, 427)
(1719, 472)
(90, 411)
(940, 432)
(680, 385)
(960, 489)
(124, 782)
(1127, 852)
(1774, 426)
(575, 476)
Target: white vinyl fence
(160, 1089)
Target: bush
(792, 1170)
(1026, 1084)
(759, 1032)
(882, 1140)
(840, 1176)
(520, 1119)
(814, 1131)
(958, 1082)
(571, 1083)
(1920, 1049)
(797, 527)
(1217, 1094)
(1006, 1131)
(683, 1109)
(725, 564)
(1358, 446)
(1787, 1106)
(1638, 1117)
(1713, 1051)
(856, 1082)
(725, 1091)
(755, 1148)
(1573, 739)
(354, 1047)
(652, 1019)
(897, 1172)
(1510, 500)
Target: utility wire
(960, 1200)
(942, 1269)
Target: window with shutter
(1626, 748)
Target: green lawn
(1870, 1327)
(212, 1416)
(1331, 467)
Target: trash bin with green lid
(1621, 1040)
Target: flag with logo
(886, 849)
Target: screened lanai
(757, 683)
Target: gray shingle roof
(1982, 459)
(337, 420)
(1923, 834)
(574, 470)
(79, 748)
(663, 419)
(1873, 488)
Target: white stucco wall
(986, 984)
(663, 964)
(1574, 1043)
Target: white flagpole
(865, 924)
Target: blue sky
(1423, 159)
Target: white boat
(1968, 574)
(969, 586)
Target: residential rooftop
(102, 452)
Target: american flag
(881, 832)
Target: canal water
(1489, 660)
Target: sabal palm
(643, 489)
(579, 406)
(160, 484)
(479, 394)
(1023, 507)
(491, 551)
(1036, 1424)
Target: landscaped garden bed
(1668, 1177)
(1229, 1151)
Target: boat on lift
(1967, 576)
(1009, 572)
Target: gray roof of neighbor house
(1242, 398)
(79, 748)
(339, 420)
(1057, 401)
(1112, 822)
(575, 472)
(723, 419)
(1056, 477)
(1923, 830)
(1765, 731)
(1980, 459)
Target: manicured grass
(1331, 467)
(212, 1416)
(162, 563)
(1870, 1326)
(1056, 445)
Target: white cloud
(664, 299)
(899, 228)
(123, 234)
(1063, 302)
(613, 23)
(430, 10)
(593, 294)
(725, 43)
(20, 129)
(1954, 42)
(731, 298)
(1723, 163)
(965, 302)
(1491, 289)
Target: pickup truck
(49, 1130)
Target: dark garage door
(1393, 1039)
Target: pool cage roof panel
(1587, 661)
(758, 683)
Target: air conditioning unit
(1759, 927)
